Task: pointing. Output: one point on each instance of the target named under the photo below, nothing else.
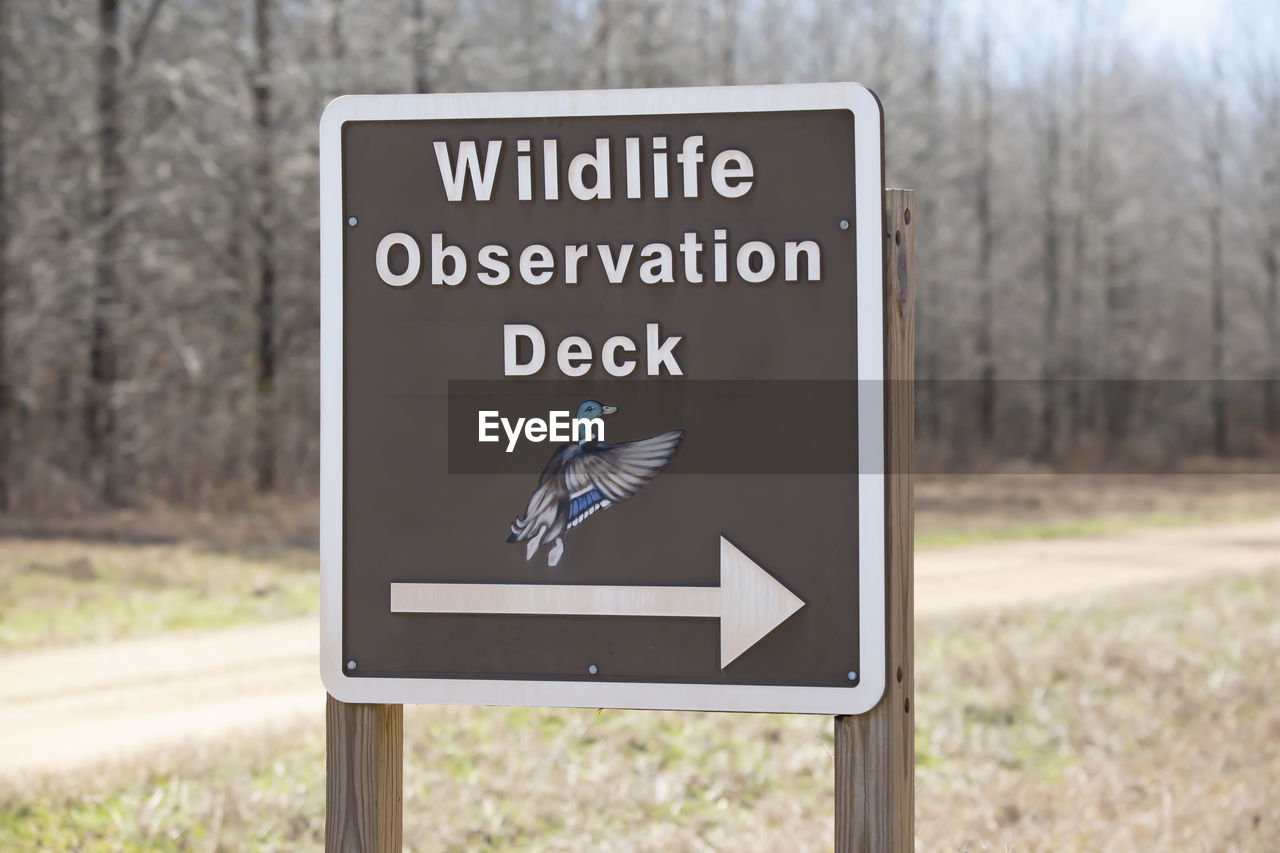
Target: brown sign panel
(602, 414)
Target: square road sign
(602, 417)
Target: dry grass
(959, 510)
(108, 576)
(63, 591)
(1147, 722)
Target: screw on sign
(603, 411)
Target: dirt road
(64, 709)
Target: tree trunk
(1271, 386)
(6, 396)
(337, 44)
(106, 299)
(1217, 275)
(1049, 412)
(728, 42)
(1117, 393)
(1270, 249)
(1084, 158)
(264, 446)
(986, 241)
(928, 307)
(421, 79)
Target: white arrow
(748, 602)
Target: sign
(602, 399)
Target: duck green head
(589, 410)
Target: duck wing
(548, 499)
(604, 474)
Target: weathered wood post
(363, 769)
(875, 752)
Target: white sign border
(868, 221)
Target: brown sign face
(594, 427)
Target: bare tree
(986, 240)
(722, 64)
(337, 42)
(158, 291)
(1270, 252)
(1083, 166)
(1050, 271)
(100, 422)
(264, 228)
(1262, 82)
(6, 406)
(421, 81)
(1214, 155)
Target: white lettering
(741, 172)
(457, 261)
(488, 422)
(574, 356)
(536, 264)
(535, 429)
(691, 248)
(615, 271)
(524, 170)
(496, 269)
(657, 269)
(511, 334)
(659, 167)
(661, 353)
(720, 253)
(633, 166)
(512, 433)
(550, 170)
(469, 162)
(812, 260)
(572, 256)
(765, 253)
(381, 259)
(560, 423)
(559, 426)
(609, 355)
(592, 428)
(689, 157)
(598, 163)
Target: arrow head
(752, 603)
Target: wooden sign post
(875, 751)
(364, 757)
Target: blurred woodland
(1098, 243)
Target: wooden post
(875, 752)
(363, 767)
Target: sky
(1177, 24)
(1184, 33)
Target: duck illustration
(585, 476)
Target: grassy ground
(954, 511)
(977, 534)
(61, 591)
(1142, 722)
(112, 576)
